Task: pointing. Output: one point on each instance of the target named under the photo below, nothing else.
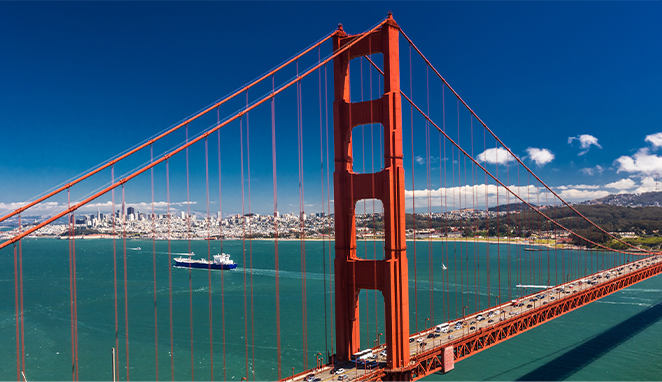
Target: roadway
(429, 339)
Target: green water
(616, 338)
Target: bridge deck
(498, 324)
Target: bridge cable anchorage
(508, 149)
(193, 141)
(171, 130)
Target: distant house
(454, 234)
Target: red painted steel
(352, 273)
(437, 359)
(165, 133)
(175, 151)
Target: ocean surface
(616, 338)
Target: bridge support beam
(352, 274)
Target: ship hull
(204, 266)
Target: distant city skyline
(571, 88)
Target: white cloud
(592, 170)
(648, 184)
(623, 184)
(419, 159)
(494, 155)
(585, 142)
(580, 186)
(540, 156)
(52, 208)
(641, 162)
(655, 139)
(581, 195)
(468, 196)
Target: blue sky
(83, 81)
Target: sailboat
(443, 266)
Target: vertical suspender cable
(302, 222)
(413, 189)
(459, 197)
(456, 206)
(220, 227)
(429, 192)
(172, 350)
(20, 272)
(474, 177)
(250, 238)
(276, 264)
(447, 310)
(328, 198)
(243, 240)
(211, 338)
(549, 277)
(126, 292)
(75, 303)
(71, 292)
(112, 215)
(508, 225)
(498, 230)
(319, 85)
(188, 239)
(156, 330)
(487, 227)
(18, 347)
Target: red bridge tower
(352, 273)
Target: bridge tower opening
(352, 274)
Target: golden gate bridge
(363, 65)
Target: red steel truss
(443, 358)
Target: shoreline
(467, 240)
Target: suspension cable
(175, 128)
(191, 142)
(411, 43)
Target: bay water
(616, 338)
